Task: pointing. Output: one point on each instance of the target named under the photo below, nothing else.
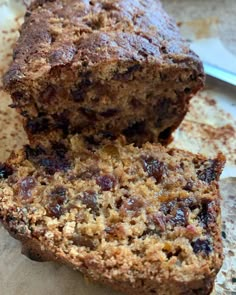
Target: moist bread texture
(102, 68)
(143, 220)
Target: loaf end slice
(102, 68)
(143, 220)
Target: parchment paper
(208, 128)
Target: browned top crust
(79, 33)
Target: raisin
(160, 220)
(154, 168)
(89, 173)
(26, 185)
(62, 121)
(189, 186)
(89, 113)
(180, 218)
(38, 125)
(52, 164)
(167, 207)
(60, 149)
(133, 204)
(58, 195)
(17, 95)
(202, 246)
(106, 182)
(89, 199)
(55, 210)
(207, 215)
(177, 211)
(109, 113)
(78, 93)
(5, 170)
(32, 153)
(210, 172)
(137, 128)
(83, 242)
(108, 135)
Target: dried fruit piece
(210, 172)
(38, 125)
(159, 220)
(208, 213)
(5, 170)
(132, 204)
(180, 217)
(26, 185)
(154, 167)
(58, 195)
(89, 199)
(202, 246)
(106, 182)
(55, 210)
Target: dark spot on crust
(89, 113)
(62, 121)
(89, 199)
(202, 246)
(53, 159)
(5, 170)
(166, 134)
(60, 149)
(38, 125)
(78, 93)
(48, 94)
(26, 185)
(106, 182)
(109, 113)
(108, 135)
(136, 129)
(33, 153)
(154, 167)
(128, 74)
(17, 95)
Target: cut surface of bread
(143, 220)
(102, 68)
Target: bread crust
(102, 68)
